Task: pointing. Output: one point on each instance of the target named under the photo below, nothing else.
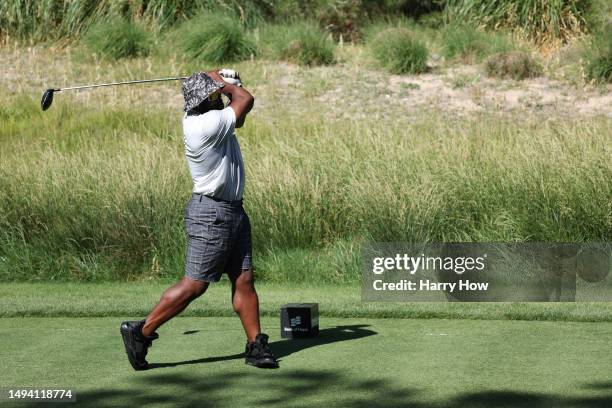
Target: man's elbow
(244, 107)
(251, 103)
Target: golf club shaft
(140, 81)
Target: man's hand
(224, 76)
(229, 73)
(230, 76)
(215, 75)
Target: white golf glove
(230, 76)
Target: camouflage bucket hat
(197, 88)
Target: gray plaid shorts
(219, 238)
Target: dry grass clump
(516, 65)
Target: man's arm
(241, 101)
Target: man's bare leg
(246, 303)
(173, 301)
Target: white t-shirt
(213, 154)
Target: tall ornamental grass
(470, 45)
(118, 38)
(399, 51)
(598, 56)
(302, 43)
(540, 20)
(46, 20)
(214, 38)
(100, 194)
(67, 19)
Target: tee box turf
(299, 320)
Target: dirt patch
(464, 91)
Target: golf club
(47, 98)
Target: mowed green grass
(355, 362)
(137, 299)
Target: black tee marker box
(299, 320)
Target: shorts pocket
(225, 217)
(199, 221)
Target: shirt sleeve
(229, 117)
(218, 125)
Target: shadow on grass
(284, 348)
(237, 385)
(302, 388)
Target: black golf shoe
(258, 353)
(136, 344)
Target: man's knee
(246, 280)
(243, 290)
(185, 290)
(197, 288)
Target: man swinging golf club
(219, 232)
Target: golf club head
(47, 99)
